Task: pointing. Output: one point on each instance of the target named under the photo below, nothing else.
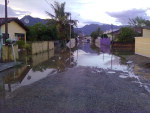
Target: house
(112, 34)
(16, 29)
(142, 44)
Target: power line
(47, 2)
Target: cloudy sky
(86, 11)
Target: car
(88, 40)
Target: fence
(38, 47)
(7, 53)
(124, 46)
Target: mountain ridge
(87, 29)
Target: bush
(42, 32)
(20, 44)
(104, 36)
(126, 34)
(28, 48)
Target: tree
(62, 20)
(104, 36)
(41, 32)
(126, 34)
(99, 31)
(139, 22)
(96, 34)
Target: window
(20, 36)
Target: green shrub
(104, 36)
(126, 34)
(28, 47)
(20, 44)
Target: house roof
(110, 31)
(2, 22)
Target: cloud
(123, 17)
(12, 12)
(84, 10)
(93, 22)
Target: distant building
(16, 29)
(112, 34)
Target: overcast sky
(86, 11)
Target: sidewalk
(138, 59)
(4, 66)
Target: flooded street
(84, 79)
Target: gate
(105, 45)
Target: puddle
(39, 66)
(102, 60)
(111, 72)
(123, 76)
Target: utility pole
(112, 32)
(70, 39)
(6, 22)
(70, 30)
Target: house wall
(13, 28)
(110, 36)
(146, 33)
(142, 46)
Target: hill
(86, 30)
(30, 21)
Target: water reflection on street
(35, 68)
(102, 60)
(39, 66)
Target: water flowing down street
(84, 79)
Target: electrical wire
(47, 1)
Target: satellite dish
(26, 21)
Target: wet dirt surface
(80, 90)
(93, 82)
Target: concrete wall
(146, 33)
(38, 47)
(7, 53)
(13, 28)
(142, 46)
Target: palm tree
(62, 20)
